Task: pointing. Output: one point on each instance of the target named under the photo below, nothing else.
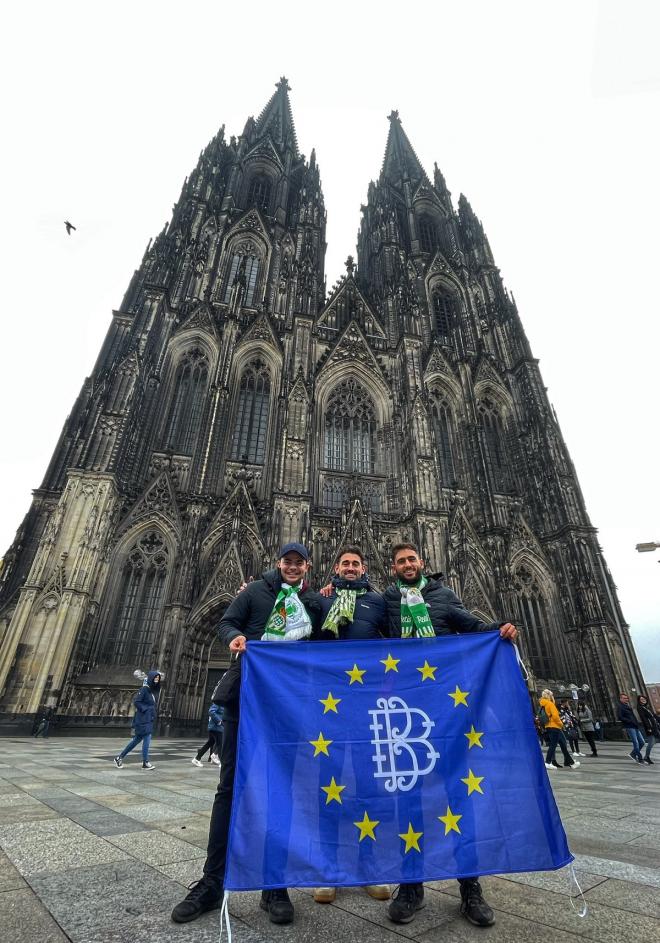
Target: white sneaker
(551, 766)
(148, 766)
(215, 759)
(576, 754)
(575, 765)
(196, 762)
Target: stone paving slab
(54, 846)
(24, 919)
(76, 830)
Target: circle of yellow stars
(366, 826)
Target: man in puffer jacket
(632, 727)
(419, 606)
(278, 607)
(146, 711)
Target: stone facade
(237, 404)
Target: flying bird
(69, 227)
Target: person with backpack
(214, 741)
(549, 718)
(571, 728)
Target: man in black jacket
(420, 606)
(279, 606)
(632, 728)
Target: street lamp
(647, 547)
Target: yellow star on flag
(321, 745)
(367, 827)
(460, 697)
(428, 671)
(473, 783)
(390, 663)
(355, 674)
(411, 838)
(451, 821)
(474, 738)
(330, 703)
(333, 791)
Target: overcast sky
(545, 116)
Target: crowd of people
(281, 606)
(564, 725)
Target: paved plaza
(93, 854)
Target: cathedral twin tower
(235, 405)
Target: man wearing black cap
(278, 607)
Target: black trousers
(216, 852)
(557, 738)
(214, 741)
(591, 740)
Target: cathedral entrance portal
(202, 661)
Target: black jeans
(214, 742)
(216, 852)
(557, 738)
(591, 740)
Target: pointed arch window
(243, 274)
(493, 444)
(251, 423)
(350, 430)
(533, 614)
(443, 426)
(444, 313)
(136, 616)
(186, 408)
(259, 193)
(428, 234)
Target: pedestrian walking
(278, 607)
(44, 723)
(214, 740)
(632, 727)
(587, 726)
(571, 729)
(650, 724)
(146, 711)
(549, 717)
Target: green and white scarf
(415, 619)
(342, 610)
(289, 620)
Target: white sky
(545, 116)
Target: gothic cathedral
(237, 404)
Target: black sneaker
(647, 759)
(473, 906)
(278, 905)
(202, 896)
(117, 760)
(407, 900)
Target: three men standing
(281, 607)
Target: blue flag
(387, 762)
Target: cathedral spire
(400, 160)
(277, 119)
